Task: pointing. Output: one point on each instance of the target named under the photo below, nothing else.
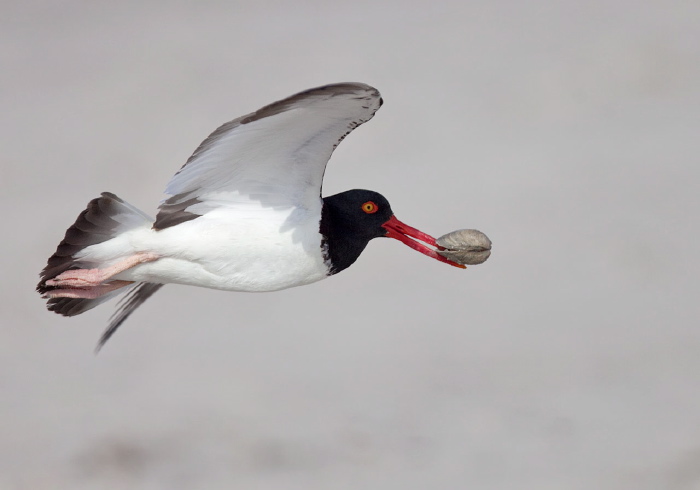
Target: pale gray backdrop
(566, 131)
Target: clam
(468, 247)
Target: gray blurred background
(566, 131)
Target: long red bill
(402, 232)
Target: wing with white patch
(275, 156)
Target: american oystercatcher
(245, 213)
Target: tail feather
(104, 218)
(76, 306)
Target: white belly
(259, 249)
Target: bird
(244, 213)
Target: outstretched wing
(275, 156)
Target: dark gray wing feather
(126, 306)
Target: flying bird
(244, 213)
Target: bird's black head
(352, 218)
(349, 221)
(359, 214)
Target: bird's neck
(341, 247)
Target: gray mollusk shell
(467, 247)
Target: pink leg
(87, 278)
(89, 293)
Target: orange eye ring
(370, 207)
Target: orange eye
(370, 208)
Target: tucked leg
(88, 278)
(91, 292)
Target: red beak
(402, 232)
